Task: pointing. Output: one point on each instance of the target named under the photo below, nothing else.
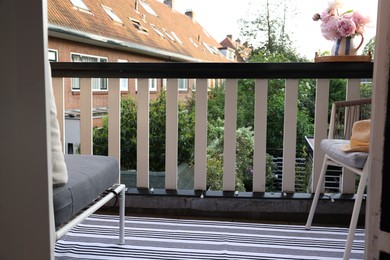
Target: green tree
(157, 127)
(370, 47)
(244, 159)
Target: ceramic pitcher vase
(346, 46)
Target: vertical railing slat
(260, 128)
(229, 150)
(86, 116)
(171, 151)
(114, 121)
(320, 127)
(58, 91)
(352, 92)
(290, 135)
(200, 167)
(143, 134)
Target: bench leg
(122, 216)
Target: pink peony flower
(346, 27)
(335, 25)
(329, 29)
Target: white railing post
(114, 120)
(320, 127)
(200, 167)
(86, 116)
(143, 134)
(260, 128)
(290, 135)
(229, 149)
(171, 145)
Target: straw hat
(360, 138)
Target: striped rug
(161, 238)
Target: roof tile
(62, 13)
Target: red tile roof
(96, 24)
(242, 50)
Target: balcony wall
(257, 203)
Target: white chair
(343, 116)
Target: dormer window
(167, 34)
(112, 15)
(147, 8)
(138, 25)
(80, 4)
(211, 48)
(177, 38)
(194, 43)
(157, 30)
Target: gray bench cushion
(332, 148)
(89, 176)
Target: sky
(219, 18)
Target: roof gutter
(83, 37)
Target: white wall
(25, 204)
(72, 134)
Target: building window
(138, 25)
(194, 43)
(98, 84)
(53, 55)
(157, 31)
(152, 84)
(147, 8)
(123, 83)
(80, 4)
(183, 84)
(177, 38)
(193, 87)
(112, 15)
(167, 34)
(211, 49)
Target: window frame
(99, 82)
(111, 14)
(80, 5)
(55, 55)
(123, 82)
(182, 84)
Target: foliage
(156, 134)
(266, 29)
(370, 48)
(244, 159)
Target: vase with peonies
(344, 28)
(346, 46)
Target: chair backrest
(344, 114)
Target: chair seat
(331, 147)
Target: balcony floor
(176, 238)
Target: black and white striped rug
(161, 238)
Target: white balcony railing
(291, 72)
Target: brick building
(125, 31)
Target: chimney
(136, 5)
(230, 36)
(170, 3)
(190, 14)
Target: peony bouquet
(336, 24)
